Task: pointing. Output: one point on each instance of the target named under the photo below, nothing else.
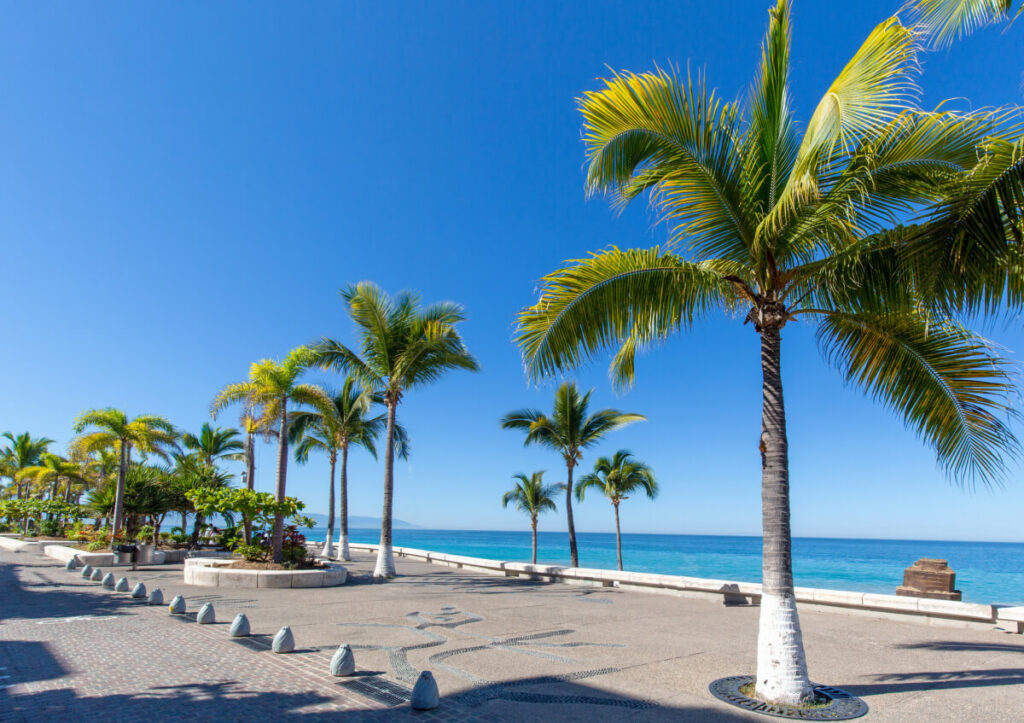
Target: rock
(87, 571)
(177, 606)
(240, 626)
(71, 564)
(156, 597)
(108, 581)
(97, 575)
(206, 615)
(424, 693)
(139, 591)
(284, 641)
(122, 585)
(344, 662)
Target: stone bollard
(343, 663)
(97, 575)
(206, 615)
(424, 693)
(108, 581)
(71, 565)
(177, 606)
(139, 591)
(284, 641)
(122, 585)
(87, 571)
(240, 626)
(156, 597)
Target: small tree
(532, 496)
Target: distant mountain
(358, 522)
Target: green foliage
(618, 478)
(531, 495)
(258, 508)
(48, 528)
(253, 553)
(96, 545)
(145, 534)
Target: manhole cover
(841, 706)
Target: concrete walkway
(501, 649)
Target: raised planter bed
(13, 544)
(210, 572)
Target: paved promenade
(501, 650)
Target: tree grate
(380, 690)
(841, 706)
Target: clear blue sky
(185, 186)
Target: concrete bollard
(156, 597)
(240, 626)
(122, 585)
(207, 615)
(97, 575)
(344, 662)
(424, 693)
(284, 641)
(71, 565)
(108, 581)
(87, 571)
(177, 606)
(139, 591)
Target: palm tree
(270, 387)
(50, 472)
(617, 478)
(22, 451)
(251, 424)
(148, 433)
(943, 21)
(784, 228)
(532, 496)
(568, 431)
(347, 424)
(403, 346)
(214, 443)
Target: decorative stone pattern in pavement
(124, 660)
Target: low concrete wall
(910, 608)
(96, 559)
(15, 545)
(208, 572)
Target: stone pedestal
(929, 578)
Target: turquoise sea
(986, 572)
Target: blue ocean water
(986, 572)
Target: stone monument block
(931, 579)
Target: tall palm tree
(617, 478)
(783, 228)
(270, 387)
(23, 451)
(569, 430)
(251, 424)
(943, 21)
(403, 346)
(214, 443)
(50, 472)
(349, 423)
(532, 496)
(112, 429)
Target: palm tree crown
(23, 451)
(618, 478)
(214, 443)
(531, 495)
(568, 430)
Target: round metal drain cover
(841, 706)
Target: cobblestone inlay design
(843, 706)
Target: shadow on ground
(69, 598)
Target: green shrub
(253, 553)
(49, 528)
(146, 533)
(96, 545)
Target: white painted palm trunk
(343, 552)
(385, 563)
(328, 547)
(781, 664)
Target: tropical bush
(256, 509)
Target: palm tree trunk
(574, 557)
(282, 474)
(196, 526)
(122, 470)
(343, 552)
(385, 558)
(781, 663)
(326, 552)
(250, 462)
(533, 524)
(618, 534)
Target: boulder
(122, 585)
(206, 615)
(284, 641)
(97, 575)
(177, 606)
(156, 597)
(424, 694)
(71, 564)
(108, 581)
(139, 591)
(239, 626)
(344, 662)
(87, 571)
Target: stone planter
(207, 572)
